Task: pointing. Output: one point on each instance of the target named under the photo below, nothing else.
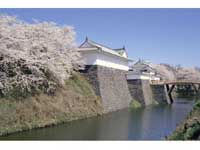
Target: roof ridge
(99, 44)
(118, 49)
(105, 45)
(148, 63)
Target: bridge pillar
(195, 86)
(169, 93)
(167, 96)
(171, 84)
(198, 89)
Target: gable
(117, 52)
(86, 44)
(123, 53)
(141, 66)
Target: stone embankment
(147, 94)
(111, 85)
(118, 93)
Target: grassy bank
(189, 129)
(75, 100)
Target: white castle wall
(104, 59)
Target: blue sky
(159, 35)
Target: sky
(169, 36)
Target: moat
(150, 123)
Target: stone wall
(145, 93)
(91, 75)
(111, 85)
(117, 93)
(135, 88)
(159, 94)
(113, 88)
(141, 91)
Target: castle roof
(143, 65)
(89, 45)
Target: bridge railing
(156, 82)
(175, 82)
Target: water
(150, 123)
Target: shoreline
(70, 103)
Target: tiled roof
(91, 44)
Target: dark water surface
(150, 123)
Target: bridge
(170, 85)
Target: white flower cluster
(170, 73)
(188, 74)
(35, 54)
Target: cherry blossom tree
(178, 73)
(166, 72)
(39, 55)
(188, 74)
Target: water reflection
(114, 126)
(154, 123)
(150, 123)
